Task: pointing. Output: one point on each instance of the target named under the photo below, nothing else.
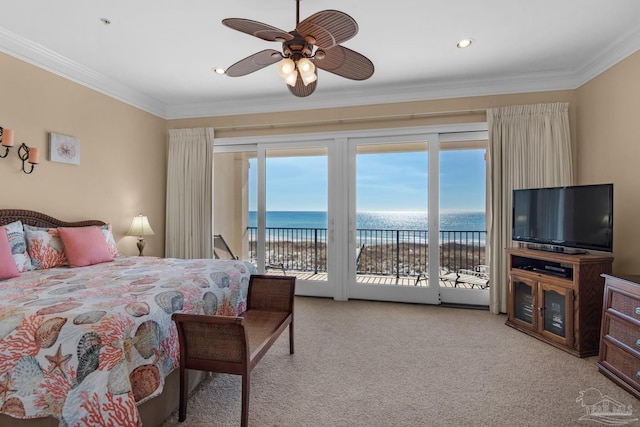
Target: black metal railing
(380, 252)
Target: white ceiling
(158, 54)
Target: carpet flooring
(364, 363)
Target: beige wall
(609, 149)
(122, 154)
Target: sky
(384, 182)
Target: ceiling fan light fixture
(307, 71)
(308, 77)
(286, 67)
(306, 66)
(292, 78)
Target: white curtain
(189, 213)
(529, 147)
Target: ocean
(449, 221)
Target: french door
(354, 253)
(389, 222)
(293, 208)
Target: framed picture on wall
(64, 149)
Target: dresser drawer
(622, 331)
(625, 304)
(621, 363)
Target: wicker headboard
(37, 219)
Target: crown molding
(625, 46)
(35, 54)
(41, 57)
(416, 91)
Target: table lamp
(140, 227)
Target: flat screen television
(565, 219)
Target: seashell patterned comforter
(86, 345)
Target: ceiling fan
(315, 43)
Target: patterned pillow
(18, 244)
(8, 267)
(111, 243)
(45, 247)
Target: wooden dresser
(619, 357)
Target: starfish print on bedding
(58, 361)
(5, 387)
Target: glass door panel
(463, 226)
(523, 295)
(522, 305)
(557, 313)
(390, 207)
(296, 217)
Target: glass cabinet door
(524, 302)
(557, 313)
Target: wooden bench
(235, 345)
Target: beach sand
(409, 259)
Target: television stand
(557, 297)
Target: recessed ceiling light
(219, 70)
(464, 43)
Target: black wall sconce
(29, 155)
(6, 141)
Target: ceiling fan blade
(258, 29)
(300, 89)
(346, 63)
(328, 27)
(254, 62)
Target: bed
(92, 345)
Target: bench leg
(244, 421)
(184, 394)
(291, 337)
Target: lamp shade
(140, 227)
(286, 67)
(307, 71)
(292, 78)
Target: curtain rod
(411, 116)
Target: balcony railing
(382, 252)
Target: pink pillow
(8, 268)
(84, 245)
